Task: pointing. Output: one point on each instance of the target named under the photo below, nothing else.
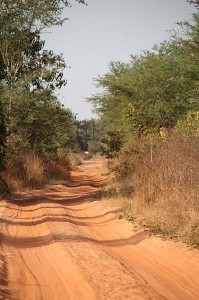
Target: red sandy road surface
(64, 243)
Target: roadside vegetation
(149, 112)
(37, 133)
(148, 125)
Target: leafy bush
(111, 144)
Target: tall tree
(152, 91)
(29, 74)
(21, 22)
(2, 139)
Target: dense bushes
(164, 179)
(152, 102)
(28, 170)
(34, 126)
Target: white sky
(105, 31)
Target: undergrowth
(28, 170)
(156, 181)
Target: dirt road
(64, 243)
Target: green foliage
(88, 135)
(150, 92)
(34, 118)
(44, 126)
(34, 14)
(154, 90)
(153, 103)
(111, 144)
(94, 147)
(31, 117)
(190, 123)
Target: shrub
(29, 170)
(164, 174)
(58, 169)
(34, 170)
(24, 170)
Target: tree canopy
(155, 89)
(31, 116)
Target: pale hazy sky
(105, 31)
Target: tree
(150, 92)
(111, 144)
(29, 75)
(2, 139)
(21, 24)
(154, 90)
(87, 135)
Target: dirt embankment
(64, 243)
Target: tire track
(64, 243)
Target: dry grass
(59, 169)
(164, 177)
(34, 170)
(75, 160)
(27, 170)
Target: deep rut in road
(63, 242)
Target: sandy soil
(64, 243)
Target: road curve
(64, 243)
